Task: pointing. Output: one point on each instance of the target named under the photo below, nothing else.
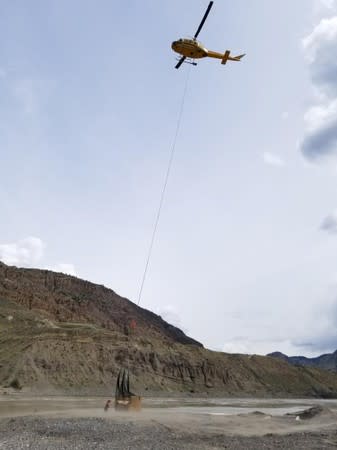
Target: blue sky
(244, 258)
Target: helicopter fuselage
(190, 48)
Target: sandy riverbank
(78, 427)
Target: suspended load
(124, 398)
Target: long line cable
(167, 176)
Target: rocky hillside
(64, 298)
(327, 361)
(59, 333)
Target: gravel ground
(38, 433)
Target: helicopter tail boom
(237, 58)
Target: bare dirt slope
(64, 334)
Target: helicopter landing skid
(193, 63)
(188, 61)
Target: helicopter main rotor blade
(203, 19)
(181, 60)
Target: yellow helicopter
(191, 49)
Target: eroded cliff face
(59, 333)
(69, 299)
(47, 357)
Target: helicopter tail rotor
(226, 57)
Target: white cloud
(321, 335)
(170, 314)
(320, 141)
(263, 347)
(330, 4)
(285, 115)
(324, 7)
(319, 116)
(66, 268)
(272, 159)
(320, 47)
(324, 33)
(25, 252)
(329, 223)
(314, 334)
(29, 252)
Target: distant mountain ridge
(328, 361)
